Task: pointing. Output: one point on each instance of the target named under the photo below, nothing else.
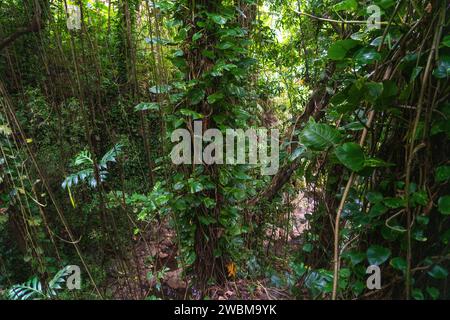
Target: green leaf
(417, 294)
(398, 263)
(442, 173)
(377, 210)
(217, 18)
(209, 203)
(351, 155)
(418, 234)
(196, 95)
(195, 186)
(374, 197)
(442, 70)
(394, 203)
(420, 198)
(241, 175)
(206, 220)
(390, 89)
(225, 45)
(423, 220)
(339, 49)
(416, 71)
(178, 186)
(444, 205)
(345, 272)
(377, 255)
(358, 287)
(297, 153)
(178, 53)
(373, 91)
(367, 56)
(215, 97)
(433, 292)
(160, 89)
(446, 41)
(208, 53)
(307, 247)
(445, 237)
(147, 106)
(319, 136)
(191, 113)
(197, 36)
(438, 272)
(346, 5)
(377, 41)
(385, 4)
(375, 163)
(356, 257)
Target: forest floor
(156, 255)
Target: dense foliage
(86, 122)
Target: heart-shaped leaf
(319, 136)
(339, 49)
(377, 255)
(351, 155)
(398, 263)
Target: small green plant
(157, 277)
(34, 290)
(84, 160)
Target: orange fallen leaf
(231, 268)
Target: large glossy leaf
(318, 136)
(444, 205)
(351, 155)
(377, 255)
(339, 49)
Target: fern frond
(111, 156)
(32, 289)
(83, 158)
(57, 281)
(74, 178)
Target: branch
(34, 26)
(336, 21)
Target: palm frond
(30, 290)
